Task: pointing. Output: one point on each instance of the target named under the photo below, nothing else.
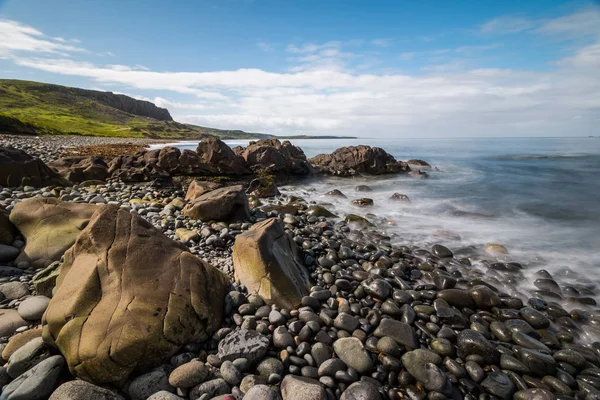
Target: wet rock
(361, 391)
(248, 344)
(402, 333)
(147, 384)
(472, 342)
(499, 385)
(353, 160)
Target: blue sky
(366, 68)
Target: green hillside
(44, 109)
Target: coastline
(393, 315)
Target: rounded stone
(32, 308)
(188, 375)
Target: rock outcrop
(80, 169)
(266, 260)
(127, 297)
(220, 159)
(50, 227)
(225, 204)
(272, 156)
(18, 168)
(262, 188)
(355, 160)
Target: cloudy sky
(364, 68)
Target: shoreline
(401, 321)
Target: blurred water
(537, 196)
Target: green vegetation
(44, 109)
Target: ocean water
(539, 197)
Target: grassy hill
(44, 109)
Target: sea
(539, 197)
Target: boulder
(270, 155)
(266, 260)
(18, 168)
(19, 340)
(226, 204)
(80, 390)
(80, 169)
(7, 229)
(354, 160)
(50, 227)
(220, 159)
(197, 188)
(262, 188)
(127, 297)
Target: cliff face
(125, 103)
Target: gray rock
(164, 395)
(78, 390)
(261, 392)
(8, 253)
(27, 356)
(147, 384)
(499, 385)
(269, 366)
(346, 322)
(352, 352)
(230, 373)
(14, 290)
(301, 388)
(213, 388)
(32, 308)
(37, 383)
(331, 366)
(361, 391)
(282, 338)
(248, 344)
(423, 365)
(399, 331)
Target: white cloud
(16, 38)
(325, 94)
(381, 42)
(585, 22)
(507, 25)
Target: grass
(57, 110)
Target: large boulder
(128, 297)
(135, 168)
(220, 159)
(354, 160)
(79, 169)
(50, 227)
(267, 261)
(225, 204)
(18, 168)
(275, 157)
(7, 229)
(197, 188)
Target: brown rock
(128, 297)
(272, 156)
(197, 188)
(80, 169)
(220, 159)
(10, 321)
(18, 168)
(18, 340)
(50, 227)
(354, 160)
(267, 261)
(364, 202)
(262, 188)
(400, 197)
(226, 204)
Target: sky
(325, 67)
